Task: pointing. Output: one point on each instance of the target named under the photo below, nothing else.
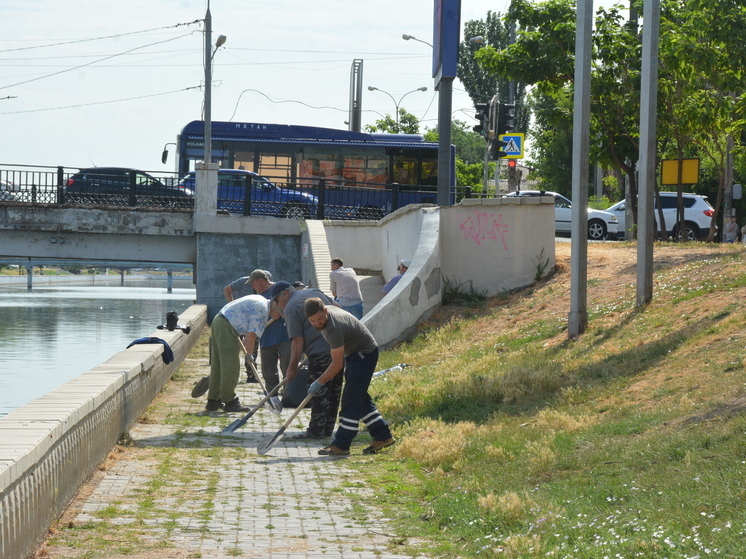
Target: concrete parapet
(50, 446)
(416, 296)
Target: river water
(59, 330)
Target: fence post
(394, 196)
(60, 178)
(133, 185)
(322, 199)
(247, 194)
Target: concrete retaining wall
(50, 446)
(419, 292)
(498, 244)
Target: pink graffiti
(483, 226)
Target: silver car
(601, 224)
(697, 214)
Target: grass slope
(515, 441)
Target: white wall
(499, 243)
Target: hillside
(627, 442)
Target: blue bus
(355, 175)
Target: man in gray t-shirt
(304, 338)
(354, 348)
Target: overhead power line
(102, 102)
(101, 38)
(92, 62)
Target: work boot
(213, 405)
(235, 405)
(333, 451)
(377, 446)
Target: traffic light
(505, 118)
(483, 118)
(496, 148)
(513, 177)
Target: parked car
(7, 193)
(697, 214)
(112, 185)
(601, 224)
(265, 197)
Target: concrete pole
(170, 280)
(208, 87)
(648, 121)
(445, 102)
(578, 317)
(29, 277)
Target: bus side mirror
(164, 156)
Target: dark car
(122, 186)
(265, 198)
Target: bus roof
(276, 133)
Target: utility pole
(578, 317)
(648, 123)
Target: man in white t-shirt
(346, 288)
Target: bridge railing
(320, 198)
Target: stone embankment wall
(50, 446)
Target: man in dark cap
(304, 338)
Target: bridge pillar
(29, 277)
(170, 287)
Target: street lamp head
(423, 88)
(221, 41)
(407, 37)
(478, 39)
(371, 88)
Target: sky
(93, 83)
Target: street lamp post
(209, 55)
(205, 196)
(397, 104)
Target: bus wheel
(295, 211)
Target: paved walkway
(184, 490)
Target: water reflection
(54, 333)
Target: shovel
(273, 404)
(268, 443)
(239, 422)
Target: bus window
(429, 170)
(404, 171)
(276, 165)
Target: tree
(481, 84)
(407, 124)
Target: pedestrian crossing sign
(514, 145)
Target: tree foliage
(407, 124)
(701, 73)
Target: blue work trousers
(357, 405)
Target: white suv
(697, 215)
(601, 224)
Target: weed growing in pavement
(625, 442)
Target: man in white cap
(403, 266)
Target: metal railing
(249, 194)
